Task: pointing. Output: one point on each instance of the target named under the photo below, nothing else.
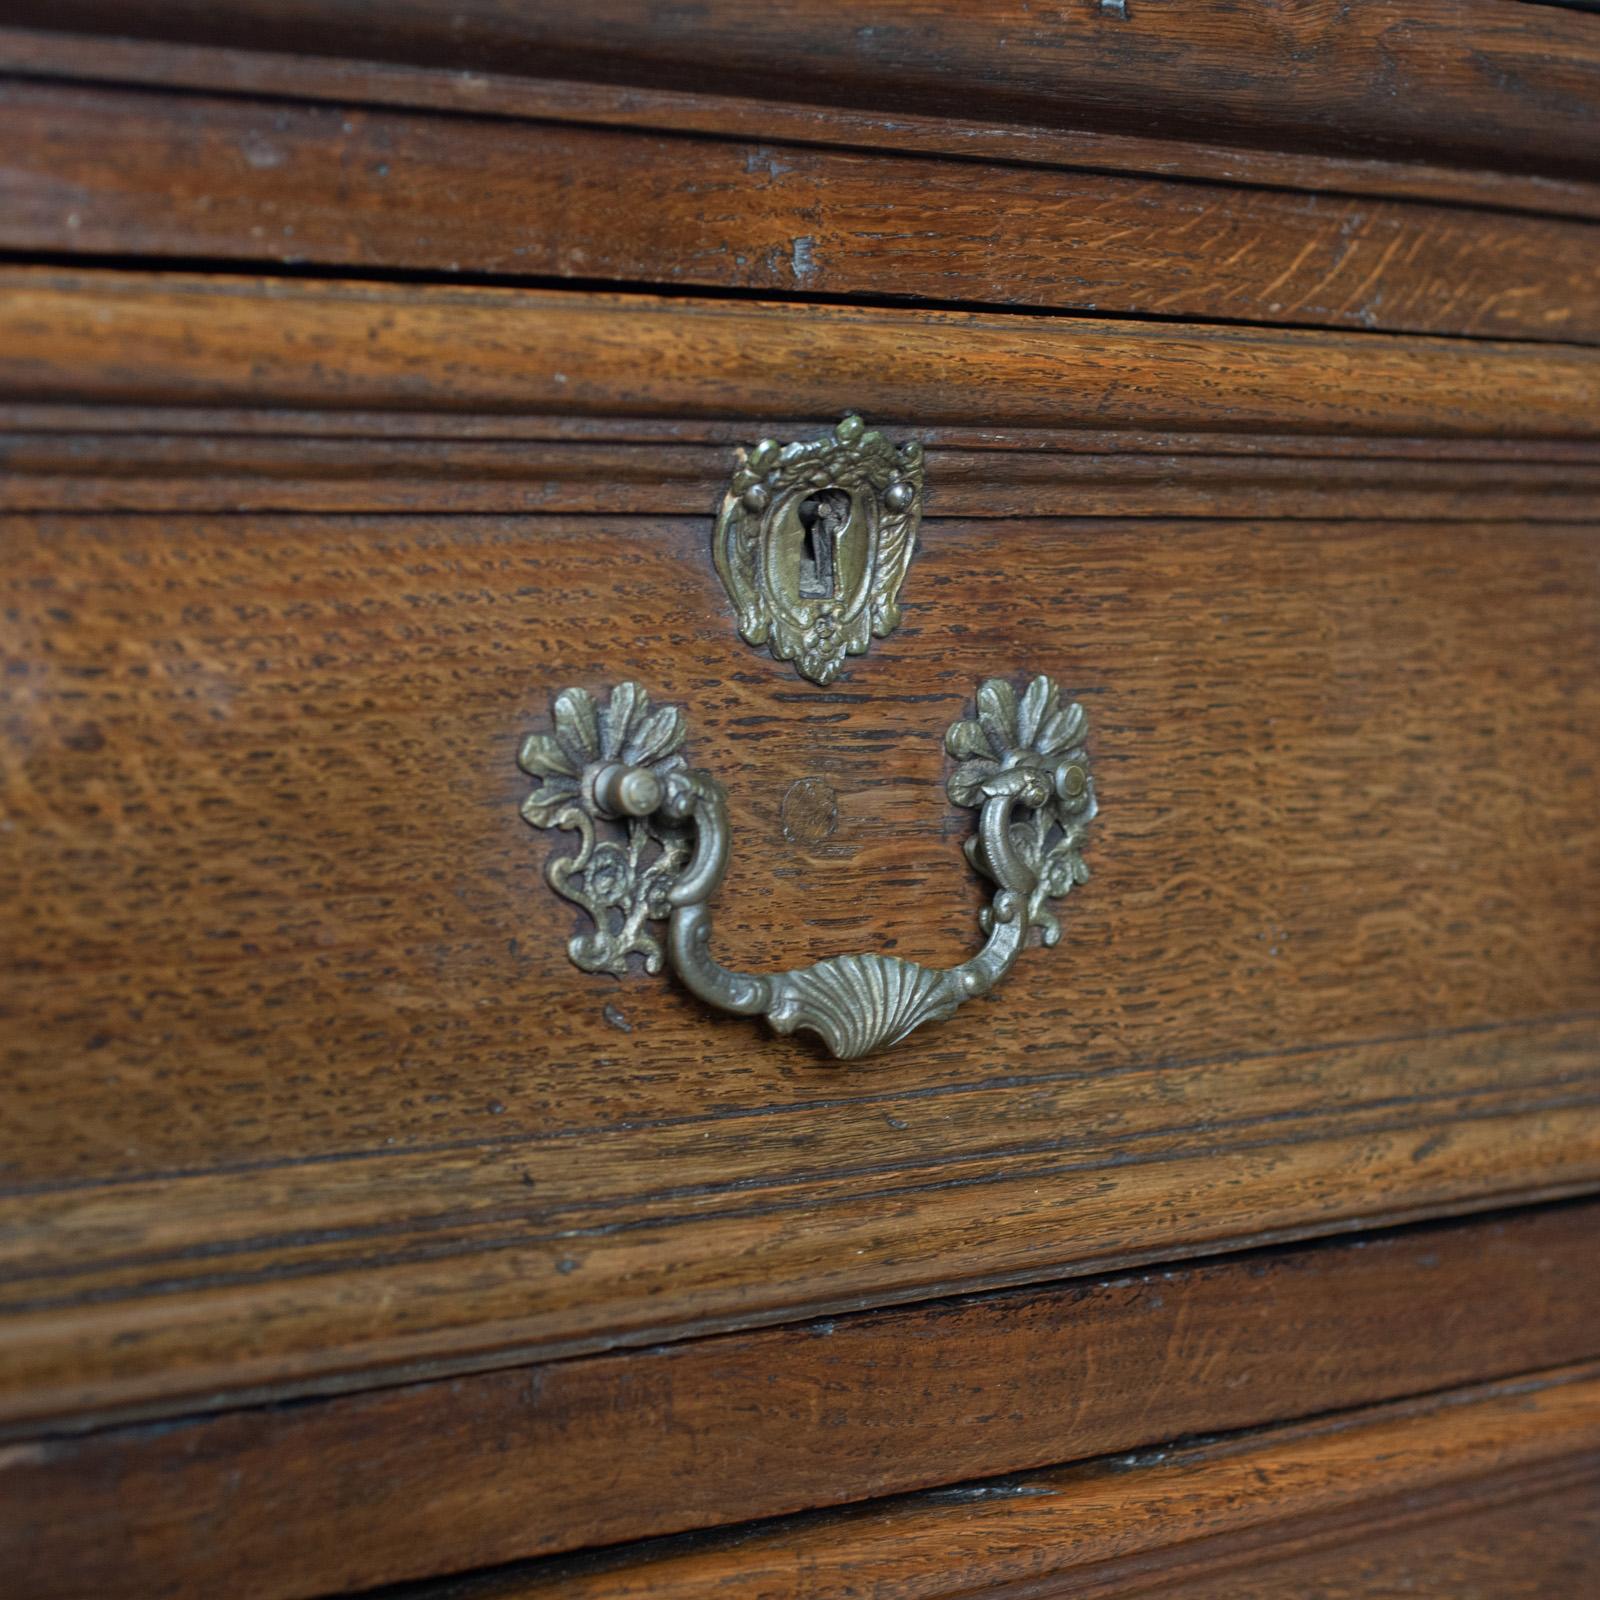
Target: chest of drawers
(371, 378)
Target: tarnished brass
(1023, 766)
(608, 764)
(813, 541)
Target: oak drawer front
(1463, 83)
(1488, 1492)
(296, 1044)
(745, 204)
(740, 1428)
(376, 384)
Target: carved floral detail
(1032, 746)
(621, 883)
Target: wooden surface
(730, 1429)
(350, 1237)
(175, 339)
(313, 79)
(338, 187)
(1473, 81)
(180, 427)
(1215, 1514)
(1543, 1546)
(82, 466)
(293, 1030)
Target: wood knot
(810, 811)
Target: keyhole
(822, 519)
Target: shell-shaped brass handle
(1022, 764)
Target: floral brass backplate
(813, 541)
(622, 883)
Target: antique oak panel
(79, 58)
(387, 1070)
(1465, 80)
(83, 467)
(183, 340)
(1148, 1524)
(343, 188)
(368, 373)
(1541, 1542)
(745, 1426)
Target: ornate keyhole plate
(813, 542)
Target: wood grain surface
(178, 427)
(174, 339)
(292, 1028)
(350, 1237)
(1541, 1542)
(85, 467)
(729, 1429)
(1474, 81)
(312, 79)
(337, 187)
(1216, 1515)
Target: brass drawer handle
(1023, 766)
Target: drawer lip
(361, 1285)
(735, 1428)
(343, 190)
(1475, 82)
(88, 467)
(309, 79)
(185, 340)
(1230, 1509)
